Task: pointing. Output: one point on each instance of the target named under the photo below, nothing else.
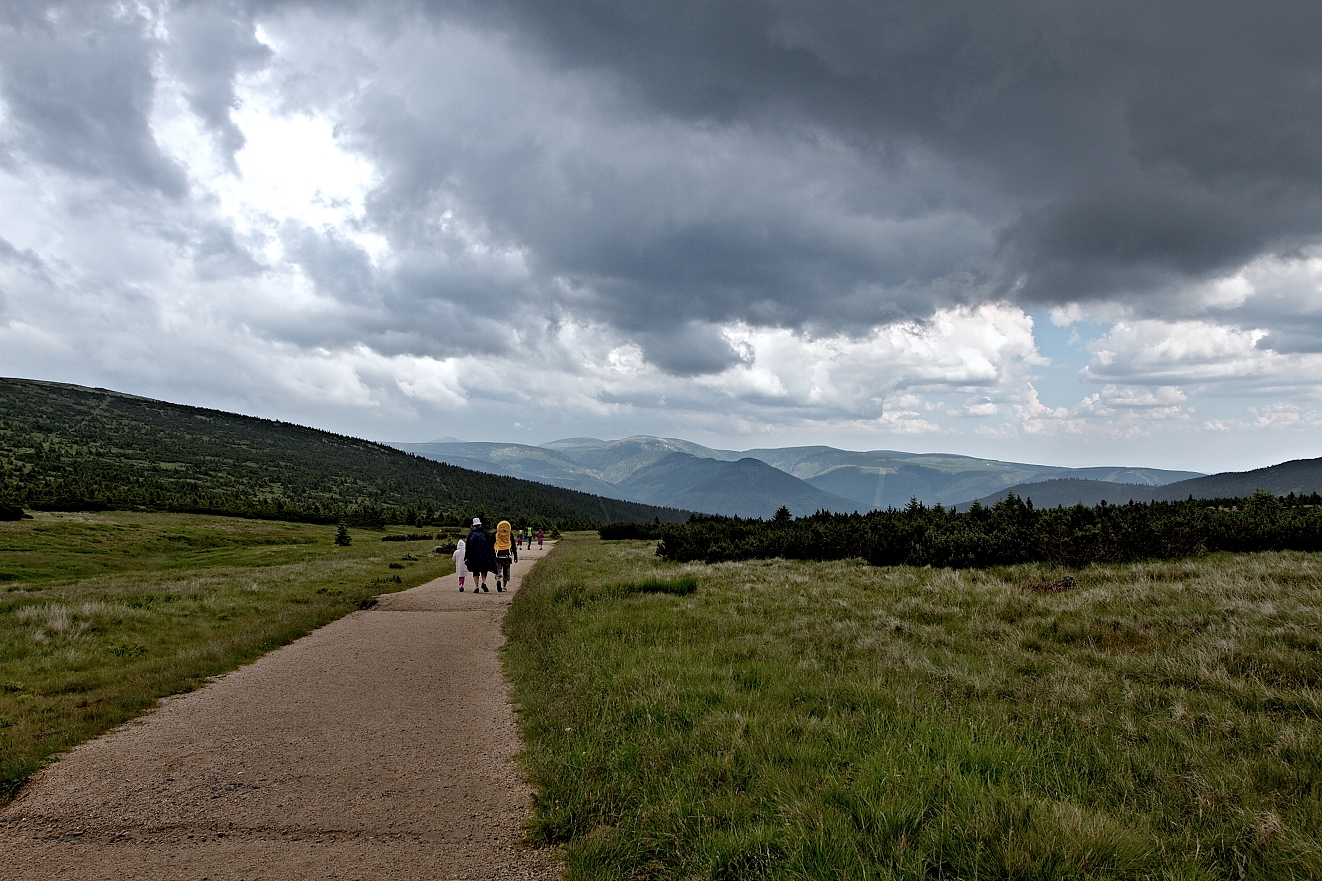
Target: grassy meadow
(833, 720)
(103, 614)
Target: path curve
(379, 746)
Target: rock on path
(379, 746)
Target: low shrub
(625, 530)
(1010, 532)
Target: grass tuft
(680, 587)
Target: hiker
(478, 556)
(539, 539)
(503, 549)
(530, 538)
(460, 566)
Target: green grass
(831, 720)
(103, 614)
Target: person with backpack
(504, 551)
(478, 555)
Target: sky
(1070, 233)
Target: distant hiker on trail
(529, 532)
(539, 539)
(478, 556)
(504, 548)
(460, 566)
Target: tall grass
(103, 614)
(833, 720)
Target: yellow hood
(503, 542)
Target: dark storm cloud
(666, 168)
(218, 255)
(422, 307)
(652, 223)
(691, 350)
(1129, 142)
(337, 267)
(26, 257)
(211, 43)
(77, 84)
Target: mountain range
(1299, 476)
(681, 474)
(72, 448)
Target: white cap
(477, 521)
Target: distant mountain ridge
(822, 476)
(517, 460)
(1298, 476)
(747, 487)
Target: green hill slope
(69, 447)
(1299, 476)
(1068, 492)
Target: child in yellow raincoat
(504, 555)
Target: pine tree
(342, 537)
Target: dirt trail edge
(379, 746)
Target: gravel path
(379, 746)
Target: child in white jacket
(460, 568)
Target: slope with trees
(71, 448)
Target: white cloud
(958, 350)
(1203, 352)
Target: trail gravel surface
(380, 746)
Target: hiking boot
(461, 588)
(499, 589)
(484, 589)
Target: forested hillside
(71, 448)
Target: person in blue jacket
(479, 556)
